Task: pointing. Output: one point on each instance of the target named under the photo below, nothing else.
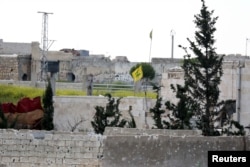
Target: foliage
(181, 113)
(224, 116)
(234, 129)
(156, 110)
(78, 120)
(70, 92)
(147, 69)
(131, 124)
(202, 74)
(47, 120)
(12, 94)
(4, 122)
(109, 116)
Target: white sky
(122, 27)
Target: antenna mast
(44, 42)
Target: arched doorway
(24, 77)
(71, 77)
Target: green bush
(110, 116)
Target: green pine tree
(202, 74)
(47, 121)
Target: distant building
(15, 61)
(15, 48)
(76, 52)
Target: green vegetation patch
(12, 93)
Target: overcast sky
(122, 27)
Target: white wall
(229, 86)
(71, 109)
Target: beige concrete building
(235, 85)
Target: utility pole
(172, 33)
(44, 42)
(247, 39)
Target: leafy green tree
(147, 69)
(148, 74)
(109, 116)
(47, 120)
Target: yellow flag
(137, 74)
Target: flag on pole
(137, 74)
(151, 34)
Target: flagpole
(151, 37)
(150, 52)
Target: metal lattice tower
(44, 42)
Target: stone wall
(26, 148)
(116, 148)
(15, 67)
(24, 67)
(9, 67)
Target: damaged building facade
(15, 61)
(22, 62)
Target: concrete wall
(244, 95)
(69, 110)
(117, 148)
(164, 150)
(83, 105)
(15, 48)
(229, 87)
